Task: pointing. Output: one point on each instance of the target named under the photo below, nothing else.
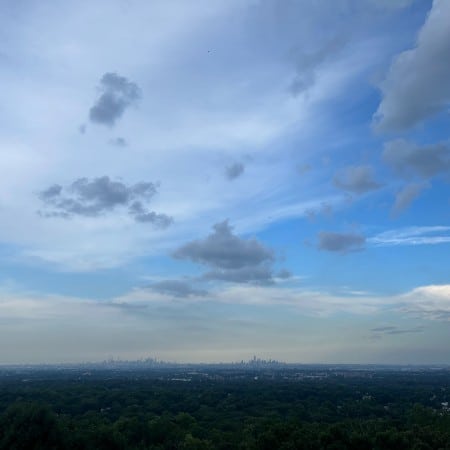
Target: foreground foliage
(369, 411)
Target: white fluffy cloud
(431, 302)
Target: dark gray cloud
(230, 257)
(140, 214)
(177, 288)
(224, 250)
(406, 196)
(117, 94)
(234, 171)
(51, 192)
(393, 330)
(356, 179)
(417, 84)
(118, 142)
(93, 197)
(340, 242)
(409, 159)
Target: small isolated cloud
(234, 171)
(417, 84)
(406, 196)
(356, 179)
(117, 94)
(224, 250)
(97, 196)
(324, 209)
(409, 159)
(284, 274)
(118, 142)
(177, 288)
(303, 169)
(340, 242)
(230, 257)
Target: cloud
(308, 301)
(119, 142)
(407, 195)
(234, 171)
(324, 209)
(340, 242)
(303, 169)
(393, 330)
(117, 94)
(140, 214)
(224, 250)
(308, 65)
(408, 159)
(177, 288)
(412, 236)
(417, 84)
(257, 275)
(51, 192)
(429, 302)
(91, 198)
(284, 274)
(230, 257)
(356, 179)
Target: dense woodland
(225, 410)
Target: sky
(207, 181)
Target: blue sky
(211, 180)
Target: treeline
(389, 412)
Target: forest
(224, 409)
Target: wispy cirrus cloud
(426, 235)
